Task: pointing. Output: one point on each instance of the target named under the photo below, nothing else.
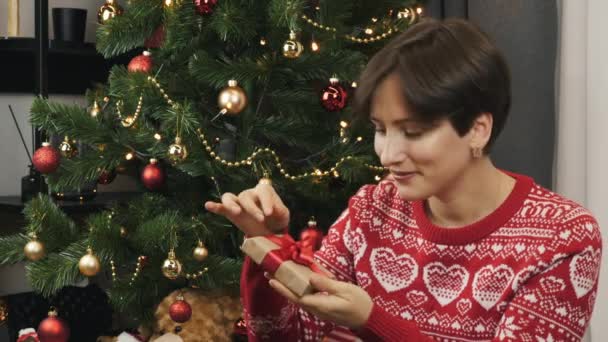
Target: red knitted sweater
(526, 272)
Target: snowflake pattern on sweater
(526, 272)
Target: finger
(267, 200)
(283, 291)
(280, 211)
(324, 304)
(231, 203)
(217, 208)
(326, 284)
(212, 206)
(249, 203)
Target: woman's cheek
(379, 140)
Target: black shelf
(72, 68)
(101, 201)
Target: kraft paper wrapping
(294, 276)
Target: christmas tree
(220, 94)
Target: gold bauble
(66, 149)
(34, 250)
(108, 11)
(200, 252)
(123, 232)
(95, 109)
(89, 264)
(177, 151)
(171, 268)
(232, 99)
(292, 48)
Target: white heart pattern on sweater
(552, 284)
(584, 269)
(490, 283)
(463, 306)
(445, 283)
(393, 272)
(416, 298)
(355, 242)
(363, 279)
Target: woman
(451, 248)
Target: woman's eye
(413, 134)
(379, 130)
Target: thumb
(325, 284)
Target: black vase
(32, 185)
(69, 24)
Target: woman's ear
(481, 131)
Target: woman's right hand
(256, 211)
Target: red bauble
(46, 159)
(312, 235)
(204, 7)
(106, 177)
(142, 63)
(240, 327)
(334, 96)
(153, 176)
(53, 329)
(180, 311)
(156, 39)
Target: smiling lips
(402, 176)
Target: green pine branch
(129, 30)
(11, 248)
(57, 270)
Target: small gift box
(285, 259)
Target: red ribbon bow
(298, 252)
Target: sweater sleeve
(270, 317)
(556, 304)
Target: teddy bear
(213, 319)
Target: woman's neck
(474, 195)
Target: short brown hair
(447, 68)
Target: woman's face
(424, 160)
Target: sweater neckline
(481, 228)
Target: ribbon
(289, 250)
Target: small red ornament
(204, 7)
(156, 39)
(153, 175)
(334, 96)
(312, 236)
(53, 329)
(106, 177)
(240, 327)
(46, 158)
(142, 63)
(180, 311)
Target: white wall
(13, 159)
(581, 158)
(26, 17)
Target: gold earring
(477, 152)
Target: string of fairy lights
(258, 152)
(411, 14)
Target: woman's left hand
(337, 301)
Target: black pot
(69, 24)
